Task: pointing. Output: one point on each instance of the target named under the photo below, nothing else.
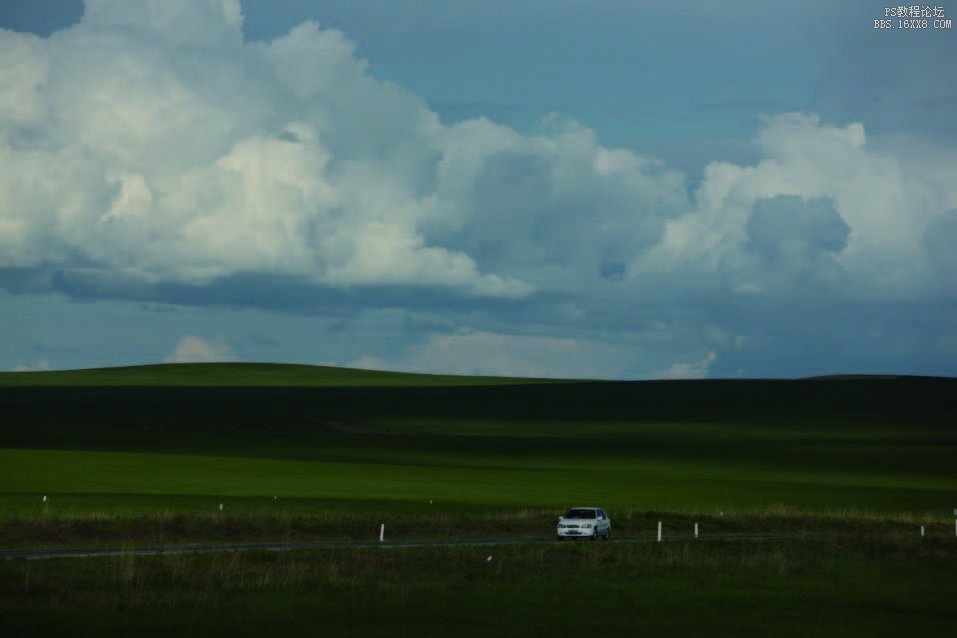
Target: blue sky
(608, 189)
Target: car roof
(588, 507)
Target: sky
(613, 189)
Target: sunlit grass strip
(244, 374)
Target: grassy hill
(240, 374)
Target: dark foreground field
(224, 453)
(887, 588)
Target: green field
(148, 454)
(874, 445)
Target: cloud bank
(150, 152)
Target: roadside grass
(359, 522)
(832, 588)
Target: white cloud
(485, 353)
(39, 366)
(696, 370)
(287, 158)
(121, 156)
(191, 349)
(284, 158)
(886, 200)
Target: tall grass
(101, 529)
(718, 589)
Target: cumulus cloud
(821, 198)
(150, 152)
(192, 349)
(125, 160)
(149, 143)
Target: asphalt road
(205, 548)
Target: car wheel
(608, 535)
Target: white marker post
(220, 507)
(696, 530)
(382, 533)
(659, 531)
(922, 531)
(44, 499)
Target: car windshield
(580, 514)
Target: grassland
(873, 445)
(817, 589)
(147, 455)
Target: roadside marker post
(382, 533)
(922, 531)
(659, 531)
(696, 530)
(44, 499)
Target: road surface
(203, 548)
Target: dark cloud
(41, 18)
(39, 348)
(279, 293)
(612, 271)
(893, 81)
(786, 228)
(691, 156)
(788, 337)
(289, 136)
(939, 101)
(263, 340)
(510, 114)
(743, 104)
(940, 239)
(26, 280)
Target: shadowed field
(866, 445)
(887, 588)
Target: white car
(584, 522)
